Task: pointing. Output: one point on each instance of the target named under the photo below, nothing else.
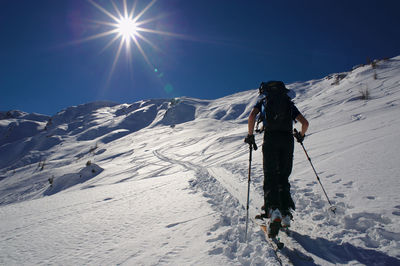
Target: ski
(287, 249)
(276, 241)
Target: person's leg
(271, 175)
(285, 169)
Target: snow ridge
(164, 181)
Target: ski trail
(230, 230)
(235, 188)
(238, 189)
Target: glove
(251, 141)
(298, 136)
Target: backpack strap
(261, 117)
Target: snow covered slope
(165, 181)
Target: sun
(128, 29)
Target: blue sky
(224, 47)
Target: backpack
(276, 107)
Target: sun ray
(103, 10)
(121, 44)
(133, 9)
(106, 23)
(96, 36)
(147, 41)
(128, 44)
(125, 9)
(144, 10)
(116, 37)
(116, 8)
(142, 22)
(161, 32)
(142, 52)
(175, 35)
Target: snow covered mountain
(165, 181)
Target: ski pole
(248, 186)
(332, 208)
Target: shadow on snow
(343, 253)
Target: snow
(164, 181)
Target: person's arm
(252, 120)
(304, 124)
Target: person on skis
(277, 113)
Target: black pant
(278, 162)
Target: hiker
(278, 113)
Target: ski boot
(286, 218)
(275, 223)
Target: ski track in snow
(165, 182)
(233, 236)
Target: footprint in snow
(318, 217)
(370, 197)
(357, 117)
(337, 181)
(340, 195)
(364, 220)
(293, 182)
(216, 251)
(349, 184)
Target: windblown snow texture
(165, 181)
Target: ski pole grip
(298, 136)
(251, 141)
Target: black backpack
(276, 109)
